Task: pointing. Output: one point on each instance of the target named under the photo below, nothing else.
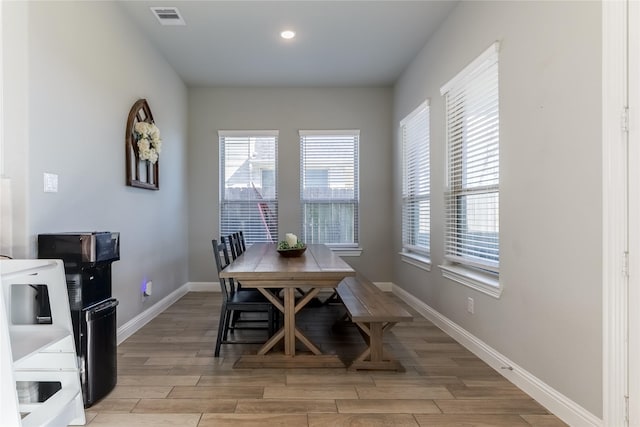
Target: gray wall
(80, 78)
(288, 110)
(548, 319)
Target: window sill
(346, 251)
(486, 283)
(420, 261)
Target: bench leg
(374, 357)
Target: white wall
(288, 110)
(85, 66)
(15, 122)
(548, 319)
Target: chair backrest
(220, 254)
(242, 242)
(234, 243)
(226, 241)
(239, 246)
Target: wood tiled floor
(167, 376)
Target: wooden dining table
(263, 268)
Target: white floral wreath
(147, 136)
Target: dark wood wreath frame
(136, 168)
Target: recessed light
(287, 34)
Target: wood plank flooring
(167, 376)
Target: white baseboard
(204, 286)
(557, 403)
(384, 286)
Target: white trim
(633, 357)
(330, 132)
(614, 213)
(384, 286)
(416, 260)
(420, 108)
(6, 217)
(204, 286)
(487, 283)
(241, 133)
(487, 54)
(557, 403)
(346, 251)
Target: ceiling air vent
(168, 15)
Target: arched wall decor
(140, 173)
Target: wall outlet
(470, 306)
(50, 182)
(148, 288)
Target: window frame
(414, 172)
(345, 249)
(473, 271)
(272, 203)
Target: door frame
(615, 209)
(633, 373)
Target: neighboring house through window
(416, 187)
(248, 184)
(329, 187)
(472, 231)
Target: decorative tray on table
(291, 253)
(291, 247)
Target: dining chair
(247, 301)
(232, 248)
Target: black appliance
(87, 259)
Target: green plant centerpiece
(291, 246)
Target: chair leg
(227, 325)
(221, 327)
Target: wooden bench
(374, 313)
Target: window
(416, 192)
(472, 195)
(248, 196)
(329, 187)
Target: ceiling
(337, 43)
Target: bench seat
(374, 313)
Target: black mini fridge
(87, 258)
(98, 345)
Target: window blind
(416, 185)
(329, 187)
(472, 195)
(248, 184)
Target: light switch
(50, 182)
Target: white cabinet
(33, 353)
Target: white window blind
(248, 184)
(472, 195)
(329, 187)
(416, 186)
